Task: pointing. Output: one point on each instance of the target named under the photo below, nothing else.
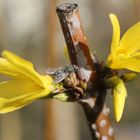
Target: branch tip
(67, 7)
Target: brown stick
(96, 112)
(51, 55)
(76, 41)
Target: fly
(62, 73)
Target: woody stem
(96, 112)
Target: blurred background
(31, 29)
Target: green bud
(127, 77)
(111, 82)
(83, 84)
(62, 97)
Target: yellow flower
(25, 84)
(125, 53)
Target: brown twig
(76, 41)
(95, 110)
(50, 54)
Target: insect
(62, 73)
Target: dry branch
(96, 112)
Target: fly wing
(58, 74)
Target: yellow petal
(124, 62)
(16, 87)
(119, 95)
(132, 64)
(7, 68)
(116, 33)
(130, 42)
(17, 93)
(25, 68)
(127, 54)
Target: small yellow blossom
(125, 53)
(25, 84)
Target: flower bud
(127, 77)
(62, 97)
